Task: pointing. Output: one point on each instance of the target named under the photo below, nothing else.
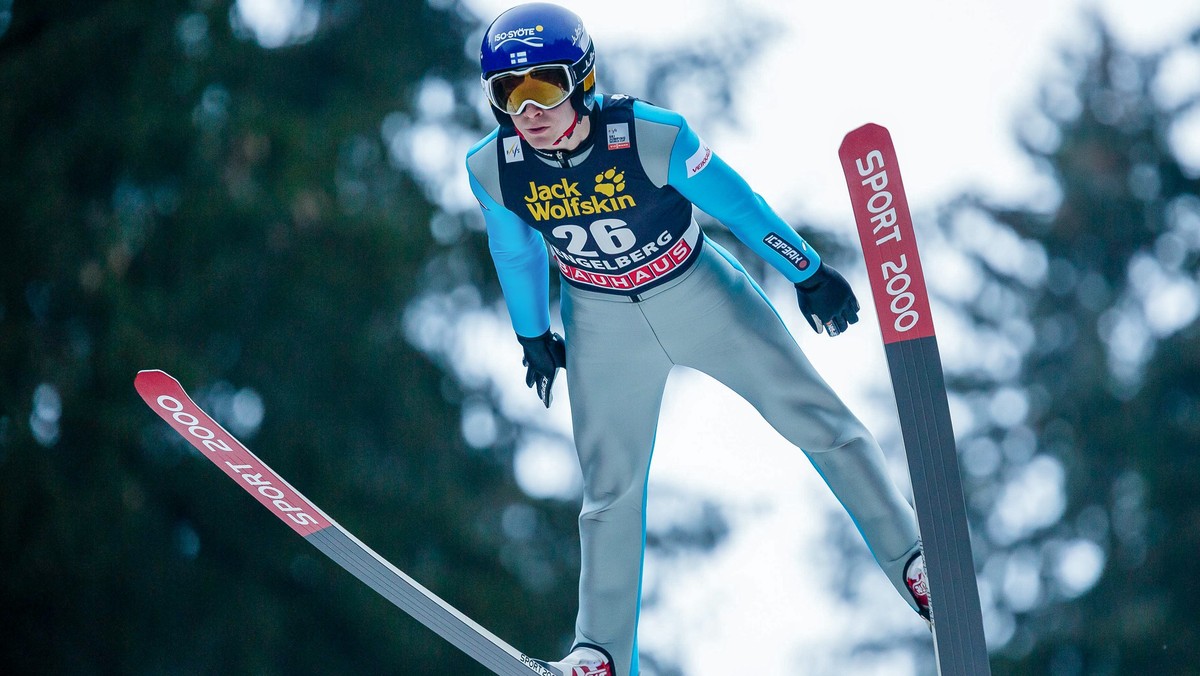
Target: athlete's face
(541, 128)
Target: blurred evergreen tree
(176, 196)
(1087, 378)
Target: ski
(898, 285)
(168, 399)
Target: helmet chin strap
(565, 135)
(570, 130)
(558, 155)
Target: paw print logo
(610, 182)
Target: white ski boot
(918, 586)
(584, 661)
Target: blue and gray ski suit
(643, 290)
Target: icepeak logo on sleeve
(699, 159)
(796, 257)
(512, 150)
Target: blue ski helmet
(545, 46)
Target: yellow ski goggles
(544, 86)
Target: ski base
(168, 399)
(898, 285)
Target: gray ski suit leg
(714, 319)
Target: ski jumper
(643, 290)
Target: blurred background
(266, 198)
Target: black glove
(544, 355)
(826, 299)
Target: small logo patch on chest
(512, 149)
(618, 136)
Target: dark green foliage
(174, 196)
(1112, 389)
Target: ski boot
(918, 586)
(584, 661)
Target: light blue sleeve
(701, 176)
(519, 254)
